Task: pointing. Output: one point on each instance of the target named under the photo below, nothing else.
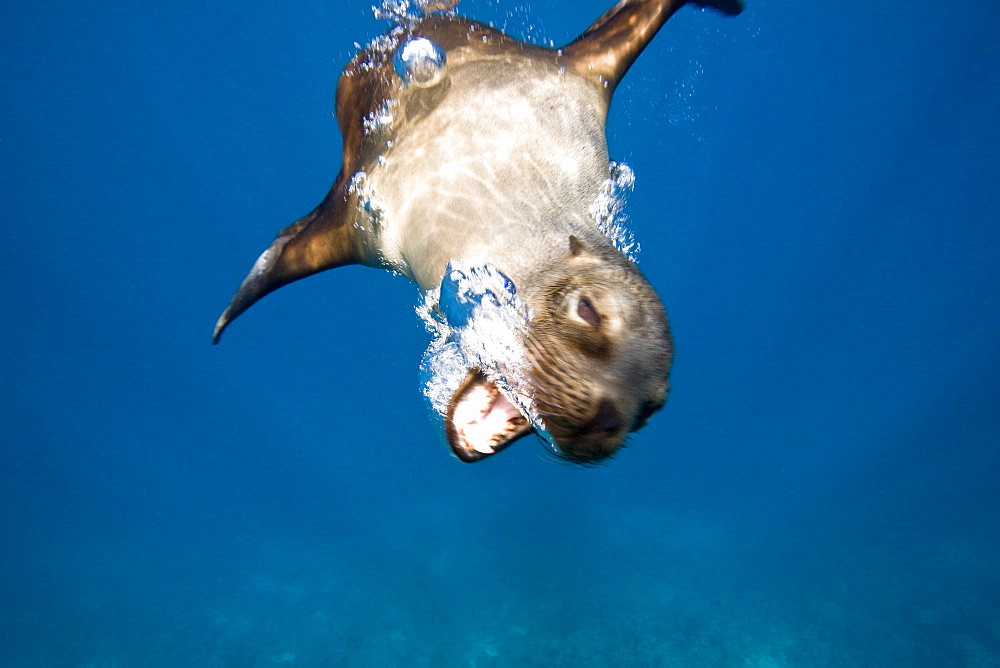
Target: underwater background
(818, 203)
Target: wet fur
(599, 344)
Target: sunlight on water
(476, 320)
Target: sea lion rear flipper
(609, 47)
(322, 240)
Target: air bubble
(608, 209)
(476, 321)
(420, 62)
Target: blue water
(816, 200)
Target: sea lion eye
(587, 312)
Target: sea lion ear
(609, 47)
(480, 421)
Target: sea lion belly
(501, 170)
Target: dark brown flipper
(327, 237)
(609, 47)
(322, 240)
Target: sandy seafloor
(816, 199)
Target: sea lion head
(600, 353)
(598, 350)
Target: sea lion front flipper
(327, 237)
(609, 47)
(322, 240)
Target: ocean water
(816, 199)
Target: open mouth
(481, 421)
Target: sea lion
(464, 147)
